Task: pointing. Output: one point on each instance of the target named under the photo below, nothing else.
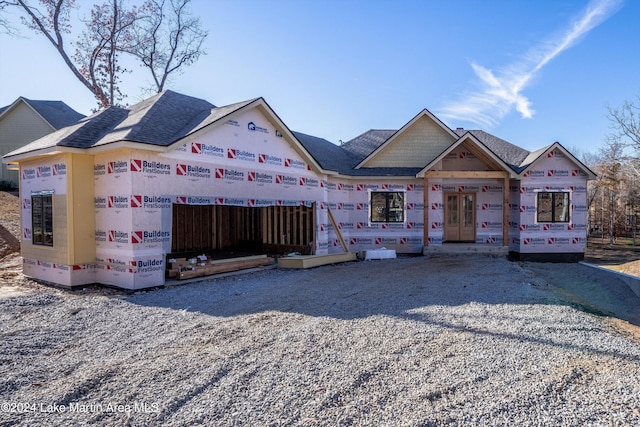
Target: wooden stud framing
(213, 227)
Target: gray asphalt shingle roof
(363, 145)
(511, 154)
(56, 113)
(159, 120)
(169, 116)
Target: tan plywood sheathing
(416, 146)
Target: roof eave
(266, 109)
(30, 155)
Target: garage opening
(227, 231)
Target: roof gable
(507, 152)
(549, 151)
(414, 145)
(56, 114)
(489, 160)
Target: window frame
(389, 211)
(565, 198)
(42, 218)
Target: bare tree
(5, 25)
(610, 170)
(53, 21)
(54, 24)
(108, 33)
(625, 121)
(631, 197)
(162, 35)
(169, 38)
(593, 162)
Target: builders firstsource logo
(59, 169)
(43, 171)
(150, 202)
(309, 182)
(150, 167)
(148, 265)
(117, 167)
(206, 149)
(293, 163)
(116, 236)
(229, 174)
(260, 178)
(235, 154)
(491, 206)
(145, 236)
(101, 236)
(28, 174)
(286, 180)
(194, 171)
(100, 202)
(270, 160)
(533, 174)
(491, 189)
(99, 169)
(557, 172)
(118, 202)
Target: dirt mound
(10, 229)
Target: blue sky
(530, 72)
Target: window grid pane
(42, 220)
(387, 206)
(553, 207)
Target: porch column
(425, 233)
(505, 211)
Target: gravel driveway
(404, 342)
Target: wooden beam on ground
(225, 266)
(309, 261)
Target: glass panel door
(460, 217)
(468, 220)
(452, 218)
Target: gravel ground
(405, 342)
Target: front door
(460, 217)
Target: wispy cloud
(500, 92)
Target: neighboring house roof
(56, 113)
(168, 117)
(159, 120)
